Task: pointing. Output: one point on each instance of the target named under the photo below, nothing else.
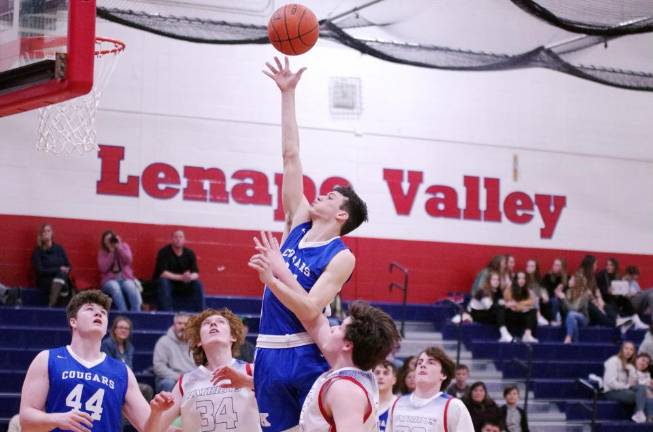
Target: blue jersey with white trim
(98, 389)
(307, 263)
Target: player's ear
(443, 376)
(342, 216)
(347, 345)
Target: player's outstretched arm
(163, 410)
(347, 404)
(294, 202)
(33, 417)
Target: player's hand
(75, 421)
(282, 75)
(261, 264)
(162, 402)
(269, 246)
(229, 377)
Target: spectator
(171, 357)
(496, 265)
(618, 300)
(555, 283)
(513, 417)
(600, 312)
(605, 277)
(490, 427)
(521, 315)
(177, 276)
(620, 381)
(52, 267)
(647, 343)
(486, 306)
(548, 308)
(459, 387)
(406, 377)
(576, 302)
(642, 300)
(481, 406)
(119, 346)
(246, 350)
(114, 260)
(386, 378)
(511, 264)
(643, 366)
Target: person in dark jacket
(52, 267)
(514, 418)
(481, 406)
(119, 346)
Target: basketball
(293, 29)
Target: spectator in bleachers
(386, 378)
(114, 261)
(642, 300)
(490, 427)
(459, 387)
(555, 283)
(177, 276)
(620, 381)
(540, 295)
(643, 366)
(496, 265)
(647, 343)
(406, 377)
(576, 302)
(171, 358)
(600, 312)
(521, 315)
(119, 346)
(605, 277)
(511, 266)
(486, 306)
(620, 301)
(482, 407)
(513, 417)
(246, 350)
(52, 267)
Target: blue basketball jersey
(98, 389)
(306, 262)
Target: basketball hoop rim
(41, 44)
(119, 46)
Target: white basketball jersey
(414, 414)
(209, 408)
(312, 417)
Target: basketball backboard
(46, 52)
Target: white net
(69, 127)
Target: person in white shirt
(428, 407)
(620, 381)
(386, 377)
(218, 395)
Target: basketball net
(69, 126)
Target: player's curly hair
(448, 366)
(373, 334)
(194, 324)
(85, 297)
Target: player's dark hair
(462, 367)
(373, 334)
(85, 297)
(388, 365)
(194, 325)
(355, 208)
(509, 388)
(447, 365)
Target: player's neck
(322, 231)
(86, 348)
(426, 391)
(218, 357)
(386, 396)
(343, 362)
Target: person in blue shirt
(77, 387)
(315, 260)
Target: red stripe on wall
(435, 268)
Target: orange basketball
(293, 29)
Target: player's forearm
(299, 303)
(320, 331)
(34, 420)
(154, 422)
(289, 129)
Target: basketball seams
(286, 42)
(298, 37)
(285, 23)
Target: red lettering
(492, 200)
(516, 206)
(550, 208)
(472, 201)
(158, 179)
(444, 202)
(309, 193)
(403, 202)
(197, 178)
(109, 183)
(253, 189)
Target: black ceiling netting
(204, 29)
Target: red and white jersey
(313, 417)
(440, 413)
(209, 408)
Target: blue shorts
(282, 380)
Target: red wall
(435, 268)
